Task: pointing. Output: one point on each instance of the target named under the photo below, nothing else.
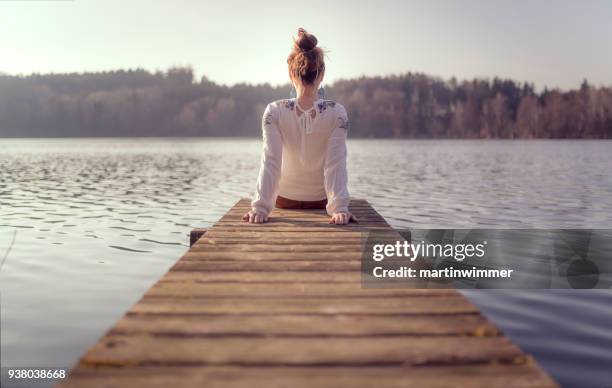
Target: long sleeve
(336, 177)
(271, 162)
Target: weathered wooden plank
(287, 238)
(239, 244)
(362, 217)
(122, 350)
(355, 203)
(357, 207)
(241, 226)
(214, 254)
(292, 234)
(253, 290)
(303, 227)
(295, 222)
(265, 277)
(195, 235)
(286, 242)
(272, 277)
(473, 376)
(241, 210)
(266, 266)
(440, 302)
(273, 247)
(305, 326)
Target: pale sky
(552, 43)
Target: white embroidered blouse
(304, 155)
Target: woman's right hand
(342, 218)
(254, 217)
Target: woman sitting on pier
(304, 153)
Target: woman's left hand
(342, 218)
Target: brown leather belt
(286, 203)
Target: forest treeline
(414, 105)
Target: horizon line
(198, 80)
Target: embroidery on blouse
(343, 123)
(325, 104)
(267, 119)
(289, 104)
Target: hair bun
(305, 41)
(306, 62)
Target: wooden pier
(281, 305)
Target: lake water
(95, 222)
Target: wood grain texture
(444, 304)
(456, 376)
(281, 305)
(142, 350)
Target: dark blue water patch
(569, 332)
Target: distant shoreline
(138, 103)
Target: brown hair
(306, 61)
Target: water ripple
(128, 249)
(70, 199)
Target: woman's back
(304, 152)
(304, 149)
